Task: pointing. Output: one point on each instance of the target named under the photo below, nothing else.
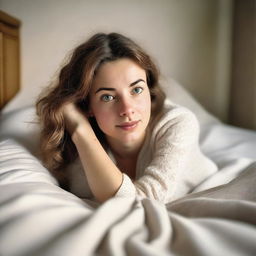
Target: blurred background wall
(190, 40)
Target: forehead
(121, 71)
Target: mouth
(128, 125)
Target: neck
(122, 150)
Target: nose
(126, 107)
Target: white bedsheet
(37, 217)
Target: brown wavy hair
(73, 85)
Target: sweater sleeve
(175, 144)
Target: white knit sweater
(170, 163)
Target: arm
(176, 163)
(103, 177)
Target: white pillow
(178, 94)
(17, 165)
(26, 97)
(20, 124)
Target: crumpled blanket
(39, 218)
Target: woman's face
(120, 101)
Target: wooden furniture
(243, 80)
(9, 57)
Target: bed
(37, 217)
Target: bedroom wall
(190, 40)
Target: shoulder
(176, 118)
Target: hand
(74, 118)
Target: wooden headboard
(9, 57)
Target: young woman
(107, 116)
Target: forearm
(103, 177)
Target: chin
(133, 138)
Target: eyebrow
(113, 89)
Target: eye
(137, 90)
(106, 97)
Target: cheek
(144, 105)
(103, 117)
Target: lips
(128, 125)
